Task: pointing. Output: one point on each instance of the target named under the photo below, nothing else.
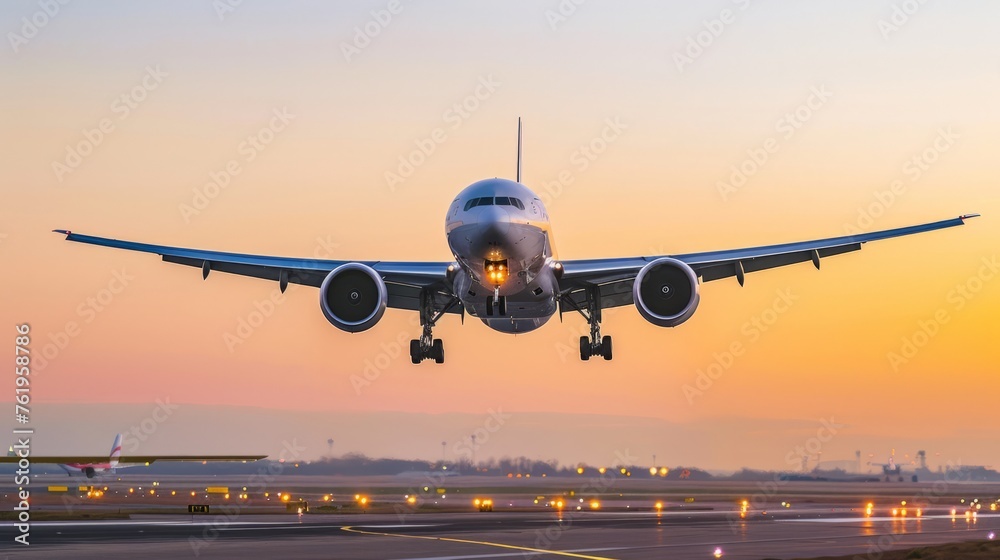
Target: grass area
(973, 550)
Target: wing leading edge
(404, 280)
(614, 276)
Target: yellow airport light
(664, 471)
(602, 470)
(623, 470)
(227, 495)
(192, 493)
(869, 509)
(594, 504)
(326, 498)
(659, 506)
(131, 490)
(285, 497)
(653, 471)
(579, 470)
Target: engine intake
(666, 292)
(353, 297)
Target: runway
(800, 533)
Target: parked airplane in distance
(92, 466)
(505, 272)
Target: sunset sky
(314, 104)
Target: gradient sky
(320, 189)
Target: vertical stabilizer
(518, 149)
(116, 451)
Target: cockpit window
(490, 201)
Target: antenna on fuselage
(518, 149)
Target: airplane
(92, 466)
(505, 272)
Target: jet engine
(353, 297)
(90, 472)
(666, 292)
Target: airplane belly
(511, 325)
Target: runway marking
(482, 543)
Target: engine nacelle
(353, 297)
(90, 472)
(666, 292)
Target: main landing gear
(427, 347)
(595, 344)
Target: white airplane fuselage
(499, 232)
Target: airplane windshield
(491, 201)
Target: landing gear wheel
(437, 351)
(489, 306)
(415, 351)
(584, 348)
(606, 347)
(503, 305)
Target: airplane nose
(494, 221)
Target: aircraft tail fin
(116, 451)
(518, 149)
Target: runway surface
(798, 533)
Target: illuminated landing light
(717, 553)
(496, 270)
(991, 536)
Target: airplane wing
(614, 276)
(134, 459)
(404, 280)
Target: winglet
(968, 216)
(518, 149)
(62, 231)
